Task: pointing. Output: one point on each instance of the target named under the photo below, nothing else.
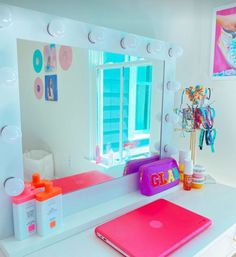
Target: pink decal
(38, 88)
(31, 227)
(65, 57)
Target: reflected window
(123, 105)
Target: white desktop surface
(215, 201)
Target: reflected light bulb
(154, 48)
(170, 149)
(128, 42)
(10, 133)
(56, 28)
(7, 76)
(96, 36)
(14, 186)
(176, 51)
(5, 16)
(173, 86)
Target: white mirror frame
(32, 25)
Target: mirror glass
(86, 113)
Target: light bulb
(56, 28)
(96, 36)
(170, 149)
(176, 51)
(172, 118)
(14, 186)
(5, 16)
(10, 134)
(173, 86)
(154, 47)
(128, 42)
(7, 76)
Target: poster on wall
(38, 88)
(37, 61)
(50, 58)
(224, 40)
(65, 57)
(51, 93)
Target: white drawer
(224, 246)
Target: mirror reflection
(86, 113)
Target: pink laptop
(154, 230)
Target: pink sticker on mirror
(65, 57)
(38, 88)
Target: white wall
(187, 22)
(59, 127)
(222, 163)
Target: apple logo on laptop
(156, 224)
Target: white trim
(124, 64)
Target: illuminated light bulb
(7, 76)
(173, 86)
(128, 42)
(10, 134)
(172, 118)
(96, 36)
(154, 48)
(170, 149)
(176, 51)
(14, 186)
(5, 16)
(56, 28)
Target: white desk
(218, 202)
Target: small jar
(198, 176)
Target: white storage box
(38, 161)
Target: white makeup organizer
(17, 23)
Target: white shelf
(214, 201)
(79, 222)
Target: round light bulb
(5, 16)
(128, 42)
(56, 28)
(173, 86)
(7, 76)
(10, 134)
(96, 36)
(172, 118)
(170, 149)
(154, 48)
(14, 186)
(176, 51)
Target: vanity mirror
(113, 76)
(91, 116)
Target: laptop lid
(156, 229)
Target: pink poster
(65, 57)
(224, 56)
(50, 58)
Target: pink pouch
(158, 176)
(134, 165)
